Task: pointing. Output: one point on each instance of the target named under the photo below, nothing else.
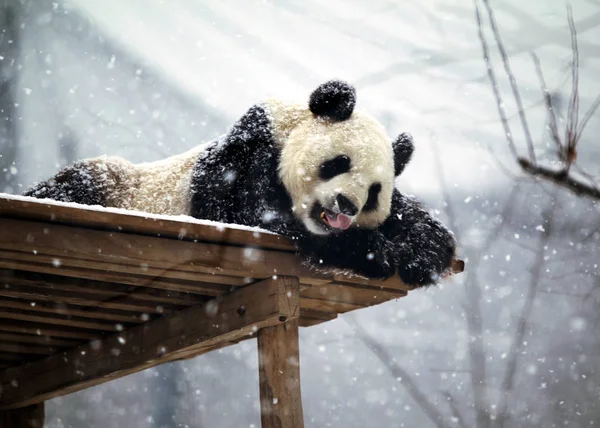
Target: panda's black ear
(403, 149)
(334, 100)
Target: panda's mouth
(330, 219)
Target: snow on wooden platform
(92, 294)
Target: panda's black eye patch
(336, 166)
(373, 198)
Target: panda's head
(337, 164)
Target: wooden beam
(98, 248)
(279, 376)
(26, 417)
(37, 340)
(138, 275)
(11, 326)
(192, 331)
(63, 310)
(101, 289)
(136, 222)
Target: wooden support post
(279, 374)
(25, 417)
(193, 331)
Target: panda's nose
(345, 205)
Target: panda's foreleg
(81, 183)
(423, 247)
(364, 252)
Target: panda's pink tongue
(340, 221)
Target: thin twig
(588, 116)
(549, 107)
(573, 118)
(494, 83)
(512, 80)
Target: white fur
(307, 141)
(161, 187)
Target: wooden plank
(38, 340)
(103, 219)
(99, 289)
(4, 356)
(310, 317)
(136, 250)
(91, 245)
(45, 296)
(17, 348)
(279, 376)
(350, 293)
(64, 310)
(49, 331)
(327, 306)
(26, 417)
(144, 272)
(227, 318)
(69, 322)
(100, 273)
(392, 283)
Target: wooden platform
(89, 295)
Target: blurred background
(512, 342)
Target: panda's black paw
(419, 267)
(417, 274)
(374, 266)
(359, 251)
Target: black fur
(78, 183)
(334, 167)
(403, 149)
(373, 199)
(236, 180)
(334, 100)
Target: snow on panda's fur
(322, 174)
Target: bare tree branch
(397, 372)
(560, 177)
(512, 80)
(567, 148)
(494, 82)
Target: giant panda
(321, 173)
